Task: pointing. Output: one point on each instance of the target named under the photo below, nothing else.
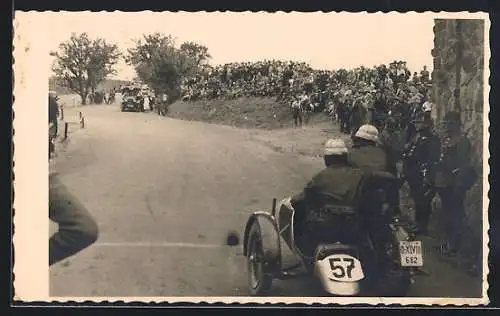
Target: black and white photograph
(251, 157)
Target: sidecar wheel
(259, 282)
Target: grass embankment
(262, 113)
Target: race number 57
(342, 267)
(345, 268)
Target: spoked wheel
(258, 280)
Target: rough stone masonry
(458, 85)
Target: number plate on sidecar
(411, 253)
(345, 268)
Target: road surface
(166, 192)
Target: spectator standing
(53, 110)
(420, 158)
(424, 75)
(455, 176)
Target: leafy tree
(160, 64)
(197, 53)
(81, 63)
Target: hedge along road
(165, 194)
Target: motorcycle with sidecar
(359, 249)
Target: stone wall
(458, 85)
(458, 75)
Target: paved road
(166, 193)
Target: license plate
(411, 253)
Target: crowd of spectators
(289, 81)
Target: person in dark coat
(53, 122)
(420, 157)
(358, 115)
(454, 177)
(297, 112)
(424, 75)
(344, 113)
(334, 185)
(365, 154)
(77, 228)
(380, 107)
(53, 109)
(392, 141)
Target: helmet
(334, 147)
(368, 132)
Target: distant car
(131, 99)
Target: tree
(159, 63)
(81, 63)
(198, 53)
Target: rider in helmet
(334, 185)
(365, 154)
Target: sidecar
(338, 265)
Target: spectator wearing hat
(414, 104)
(424, 75)
(381, 108)
(400, 73)
(420, 157)
(392, 141)
(358, 114)
(416, 78)
(53, 123)
(454, 177)
(296, 112)
(53, 110)
(344, 112)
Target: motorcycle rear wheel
(259, 282)
(401, 284)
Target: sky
(324, 40)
